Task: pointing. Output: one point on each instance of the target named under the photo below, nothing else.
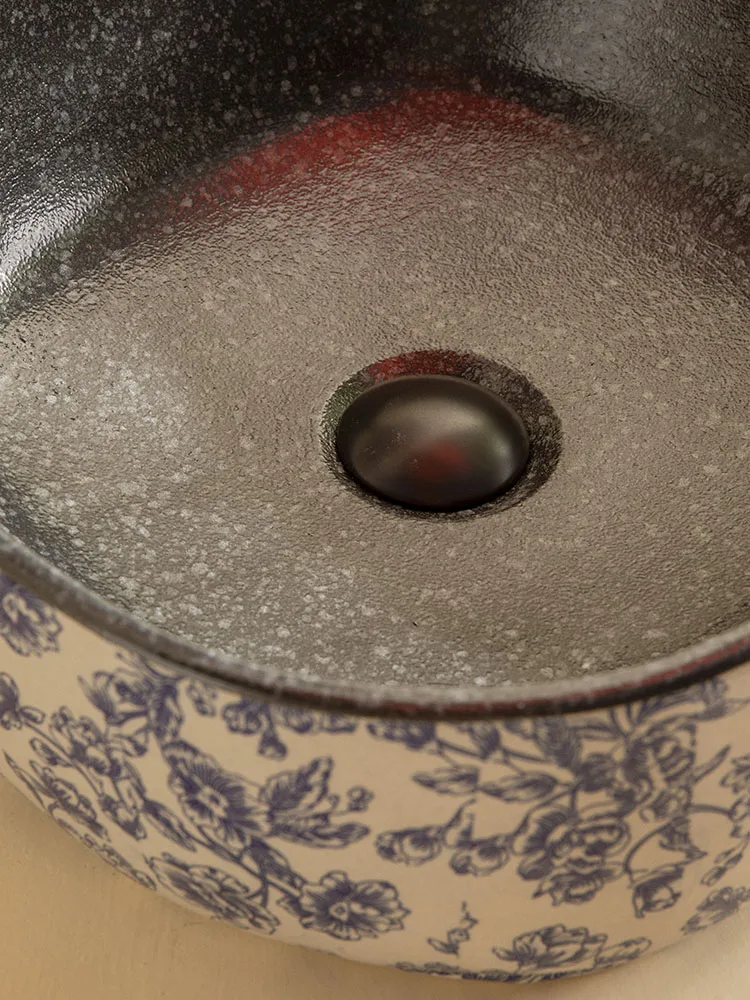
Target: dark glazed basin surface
(213, 215)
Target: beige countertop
(72, 929)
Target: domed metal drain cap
(434, 442)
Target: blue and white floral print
(350, 910)
(457, 936)
(12, 716)
(600, 797)
(548, 953)
(719, 905)
(257, 718)
(558, 947)
(28, 626)
(383, 833)
(218, 893)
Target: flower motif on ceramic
(559, 947)
(605, 799)
(552, 952)
(109, 855)
(140, 706)
(28, 626)
(203, 697)
(413, 735)
(719, 905)
(214, 891)
(223, 806)
(350, 910)
(655, 890)
(256, 718)
(413, 846)
(12, 716)
(57, 796)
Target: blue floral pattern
(349, 910)
(140, 706)
(719, 905)
(256, 718)
(599, 799)
(645, 800)
(12, 716)
(456, 936)
(28, 626)
(219, 894)
(232, 817)
(552, 952)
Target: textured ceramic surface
(214, 214)
(513, 850)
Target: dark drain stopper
(432, 441)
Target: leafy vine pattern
(239, 822)
(223, 812)
(27, 624)
(599, 800)
(586, 803)
(717, 906)
(552, 952)
(456, 936)
(249, 717)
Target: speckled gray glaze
(160, 415)
(165, 449)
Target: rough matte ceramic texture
(177, 469)
(512, 851)
(222, 261)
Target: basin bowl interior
(222, 223)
